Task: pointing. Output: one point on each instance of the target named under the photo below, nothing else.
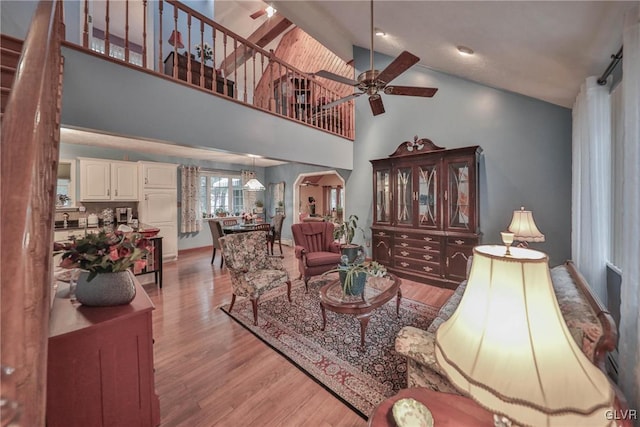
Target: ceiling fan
(307, 183)
(373, 82)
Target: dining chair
(266, 227)
(216, 234)
(276, 232)
(252, 271)
(227, 222)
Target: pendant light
(253, 184)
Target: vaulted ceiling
(542, 49)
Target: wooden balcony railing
(29, 157)
(228, 65)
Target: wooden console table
(100, 364)
(447, 409)
(154, 263)
(195, 73)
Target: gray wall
(102, 95)
(526, 143)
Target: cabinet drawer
(430, 256)
(422, 267)
(418, 245)
(380, 233)
(400, 236)
(462, 241)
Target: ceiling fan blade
(398, 66)
(376, 104)
(340, 79)
(341, 100)
(258, 14)
(411, 91)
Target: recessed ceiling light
(380, 33)
(465, 51)
(270, 11)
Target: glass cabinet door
(457, 196)
(428, 196)
(404, 191)
(383, 193)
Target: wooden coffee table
(447, 409)
(378, 291)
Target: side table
(447, 409)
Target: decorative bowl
(411, 413)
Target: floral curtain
(629, 347)
(190, 218)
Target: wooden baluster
(189, 77)
(271, 99)
(160, 62)
(176, 60)
(244, 55)
(253, 85)
(224, 55)
(126, 31)
(235, 63)
(203, 61)
(107, 46)
(213, 58)
(85, 30)
(144, 34)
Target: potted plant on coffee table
(353, 276)
(346, 231)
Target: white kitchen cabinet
(104, 180)
(158, 175)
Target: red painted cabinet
(100, 365)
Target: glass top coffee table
(377, 291)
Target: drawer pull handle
(427, 248)
(427, 269)
(427, 257)
(428, 239)
(382, 233)
(404, 253)
(404, 236)
(404, 244)
(459, 242)
(404, 264)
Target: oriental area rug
(361, 378)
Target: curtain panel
(629, 348)
(591, 184)
(190, 217)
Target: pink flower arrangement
(247, 216)
(105, 253)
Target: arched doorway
(326, 188)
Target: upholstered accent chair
(276, 232)
(315, 249)
(252, 270)
(216, 233)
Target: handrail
(29, 157)
(236, 67)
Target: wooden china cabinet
(426, 221)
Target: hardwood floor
(210, 371)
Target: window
(336, 198)
(220, 192)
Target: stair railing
(29, 158)
(227, 65)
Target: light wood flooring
(210, 371)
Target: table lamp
(524, 228)
(175, 39)
(508, 348)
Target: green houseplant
(259, 206)
(346, 231)
(353, 276)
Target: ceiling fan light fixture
(380, 33)
(465, 51)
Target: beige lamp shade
(524, 227)
(508, 347)
(254, 185)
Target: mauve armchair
(315, 249)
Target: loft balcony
(172, 41)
